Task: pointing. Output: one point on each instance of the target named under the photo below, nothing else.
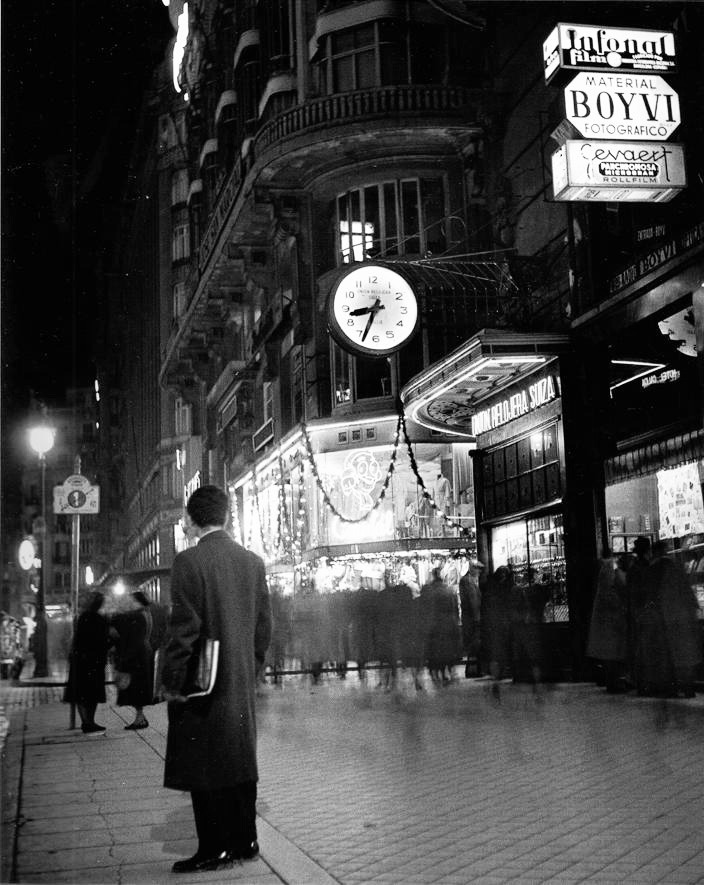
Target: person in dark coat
(218, 591)
(470, 604)
(134, 659)
(497, 613)
(442, 639)
(608, 631)
(678, 648)
(89, 655)
(640, 622)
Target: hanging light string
(265, 547)
(419, 479)
(323, 491)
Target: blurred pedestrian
(133, 658)
(89, 654)
(608, 632)
(498, 613)
(219, 592)
(528, 604)
(470, 604)
(681, 637)
(442, 638)
(637, 582)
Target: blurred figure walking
(680, 645)
(608, 632)
(134, 658)
(470, 603)
(498, 612)
(442, 645)
(89, 655)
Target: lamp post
(41, 440)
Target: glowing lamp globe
(41, 439)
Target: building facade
(294, 141)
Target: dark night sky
(73, 72)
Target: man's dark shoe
(200, 863)
(248, 853)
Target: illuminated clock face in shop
(372, 311)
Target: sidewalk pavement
(359, 785)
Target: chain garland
(323, 491)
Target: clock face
(372, 311)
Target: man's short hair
(208, 505)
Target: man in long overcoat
(219, 592)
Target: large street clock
(372, 311)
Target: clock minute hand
(372, 313)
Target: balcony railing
(344, 107)
(368, 103)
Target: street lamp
(41, 440)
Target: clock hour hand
(359, 311)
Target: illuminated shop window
(534, 551)
(392, 218)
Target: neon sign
(521, 403)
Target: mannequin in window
(442, 493)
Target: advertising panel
(622, 106)
(589, 48)
(613, 171)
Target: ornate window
(405, 216)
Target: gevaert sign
(592, 48)
(615, 171)
(622, 106)
(77, 495)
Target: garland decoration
(323, 491)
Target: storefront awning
(445, 396)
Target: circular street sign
(76, 498)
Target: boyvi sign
(590, 48)
(622, 106)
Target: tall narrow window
(179, 301)
(179, 187)
(183, 417)
(180, 243)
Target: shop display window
(534, 550)
(668, 506)
(296, 511)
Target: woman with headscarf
(134, 659)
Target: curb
(12, 753)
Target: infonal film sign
(591, 48)
(613, 171)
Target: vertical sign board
(572, 47)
